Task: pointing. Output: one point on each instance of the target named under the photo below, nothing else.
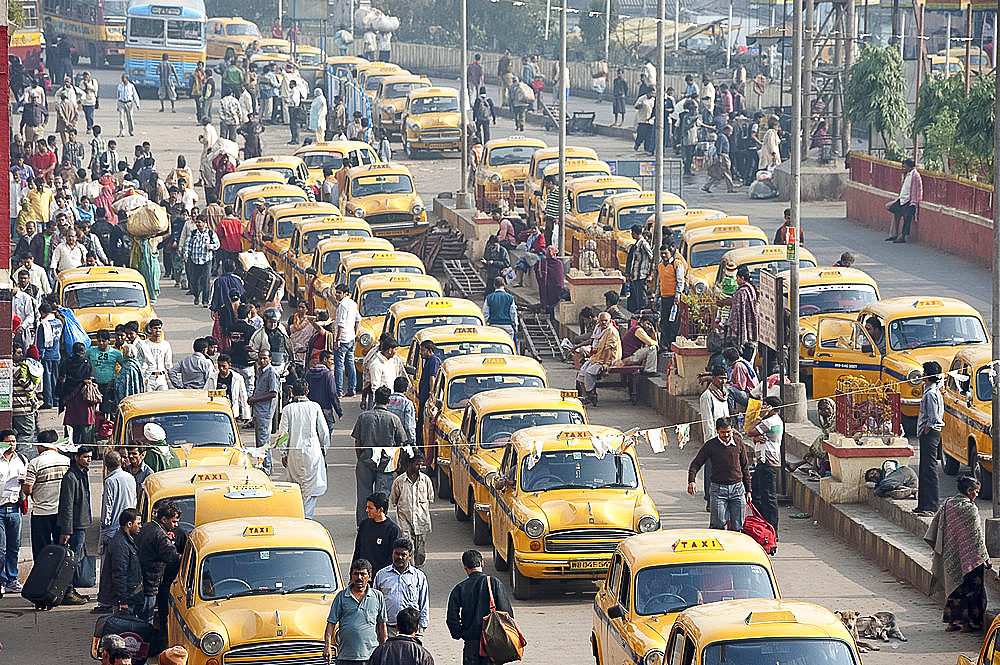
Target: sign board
(768, 298)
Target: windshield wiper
(260, 591)
(606, 485)
(565, 486)
(306, 587)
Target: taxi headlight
(366, 339)
(359, 212)
(700, 288)
(534, 528)
(212, 643)
(495, 177)
(809, 340)
(648, 523)
(417, 209)
(653, 657)
(914, 377)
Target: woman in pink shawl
(106, 198)
(960, 558)
(550, 273)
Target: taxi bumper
(542, 565)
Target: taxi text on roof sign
(383, 255)
(698, 545)
(439, 303)
(927, 303)
(567, 394)
(777, 616)
(258, 531)
(212, 394)
(572, 434)
(829, 273)
(399, 278)
(465, 331)
(725, 229)
(209, 477)
(494, 361)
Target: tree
(592, 25)
(874, 94)
(15, 14)
(957, 131)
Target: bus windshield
(114, 9)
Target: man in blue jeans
(729, 476)
(48, 339)
(348, 320)
(74, 517)
(12, 472)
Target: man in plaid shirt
(199, 251)
(73, 150)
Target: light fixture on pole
(462, 199)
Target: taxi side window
(614, 574)
(675, 650)
(625, 587)
(990, 655)
(471, 427)
(189, 573)
(465, 422)
(295, 241)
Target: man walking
(401, 405)
(121, 574)
(729, 476)
(375, 433)
(42, 482)
(294, 104)
(73, 518)
(411, 495)
(483, 113)
(323, 388)
(431, 362)
(469, 602)
(157, 551)
(499, 309)
(376, 533)
(767, 431)
(638, 265)
(404, 647)
(263, 402)
(348, 321)
(119, 494)
(930, 420)
(721, 169)
(304, 438)
(403, 586)
(198, 254)
(358, 618)
(155, 357)
(128, 101)
(12, 476)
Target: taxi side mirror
(410, 369)
(616, 612)
(311, 271)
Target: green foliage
(592, 26)
(954, 128)
(15, 13)
(935, 118)
(974, 130)
(874, 93)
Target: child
(411, 495)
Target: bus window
(145, 30)
(184, 31)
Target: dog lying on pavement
(881, 626)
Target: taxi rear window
(711, 252)
(352, 277)
(450, 349)
(378, 302)
(462, 388)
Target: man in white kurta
(303, 437)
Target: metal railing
(643, 171)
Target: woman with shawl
(550, 273)
(960, 558)
(106, 197)
(317, 115)
(301, 328)
(129, 378)
(75, 373)
(742, 323)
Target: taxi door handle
(824, 355)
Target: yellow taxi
(306, 234)
(490, 420)
(272, 195)
(229, 36)
(325, 261)
(390, 98)
(376, 293)
(757, 630)
(458, 341)
(103, 297)
(458, 380)
(431, 121)
(279, 223)
(675, 221)
(901, 335)
(233, 183)
(625, 210)
(345, 65)
(406, 318)
(703, 221)
(586, 198)
(563, 498)
(179, 485)
(363, 71)
(250, 588)
(312, 65)
(575, 168)
(373, 82)
(292, 167)
(827, 291)
(764, 257)
(214, 502)
(540, 160)
(503, 168)
(199, 424)
(334, 154)
(385, 197)
(939, 64)
(272, 46)
(655, 576)
(702, 248)
(358, 264)
(967, 394)
(989, 653)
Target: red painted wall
(6, 335)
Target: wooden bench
(627, 377)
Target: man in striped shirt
(42, 482)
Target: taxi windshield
(229, 192)
(311, 238)
(662, 589)
(198, 428)
(711, 252)
(310, 59)
(779, 651)
(411, 326)
(321, 160)
(577, 469)
(593, 200)
(510, 154)
(397, 90)
(495, 429)
(372, 82)
(773, 266)
(352, 277)
(396, 183)
(250, 205)
(936, 330)
(434, 105)
(984, 384)
(634, 216)
(378, 302)
(104, 294)
(448, 349)
(581, 173)
(825, 299)
(266, 571)
(462, 388)
(286, 171)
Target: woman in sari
(301, 327)
(128, 381)
(550, 273)
(79, 412)
(106, 198)
(960, 558)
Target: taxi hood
(565, 509)
(216, 455)
(378, 203)
(942, 354)
(447, 119)
(264, 618)
(106, 318)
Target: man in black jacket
(73, 517)
(376, 533)
(470, 602)
(121, 576)
(157, 552)
(403, 648)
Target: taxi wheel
(951, 465)
(909, 425)
(979, 472)
(411, 153)
(520, 587)
(444, 483)
(498, 561)
(480, 529)
(460, 514)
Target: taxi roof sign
(209, 477)
(568, 394)
(728, 228)
(773, 250)
(438, 303)
(927, 303)
(495, 361)
(776, 616)
(383, 255)
(465, 331)
(698, 545)
(399, 278)
(258, 531)
(212, 394)
(249, 491)
(830, 273)
(568, 434)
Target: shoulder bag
(502, 640)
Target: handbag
(502, 640)
(91, 393)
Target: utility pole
(850, 29)
(6, 287)
(462, 199)
(677, 25)
(993, 525)
(807, 54)
(660, 124)
(607, 34)
(795, 153)
(563, 91)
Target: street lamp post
(462, 198)
(659, 127)
(795, 152)
(559, 232)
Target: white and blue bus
(174, 27)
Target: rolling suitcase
(137, 634)
(261, 283)
(50, 576)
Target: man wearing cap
(159, 456)
(74, 516)
(42, 481)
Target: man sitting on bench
(639, 344)
(607, 354)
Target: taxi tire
(979, 472)
(461, 515)
(444, 483)
(498, 563)
(520, 586)
(951, 465)
(480, 529)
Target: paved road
(810, 563)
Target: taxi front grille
(277, 653)
(519, 184)
(440, 134)
(586, 541)
(389, 218)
